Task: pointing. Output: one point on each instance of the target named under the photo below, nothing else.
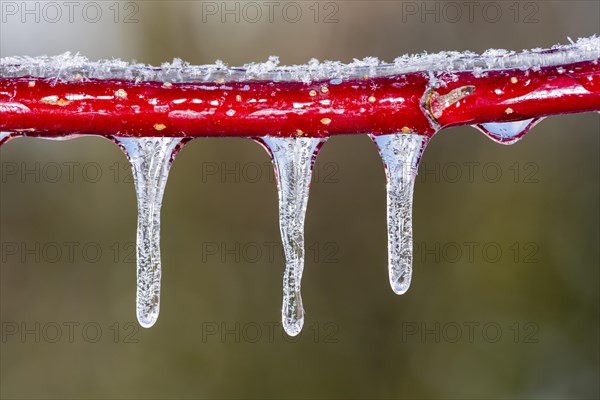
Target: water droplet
(150, 159)
(293, 160)
(401, 154)
(507, 132)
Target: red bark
(398, 103)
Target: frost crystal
(68, 67)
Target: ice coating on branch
(150, 160)
(584, 49)
(293, 160)
(401, 154)
(508, 132)
(76, 67)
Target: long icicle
(293, 160)
(150, 160)
(401, 154)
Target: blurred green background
(505, 295)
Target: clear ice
(401, 154)
(293, 160)
(150, 160)
(508, 132)
(4, 137)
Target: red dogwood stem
(414, 102)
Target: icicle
(507, 132)
(150, 160)
(293, 159)
(401, 154)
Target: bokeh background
(505, 295)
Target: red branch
(390, 104)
